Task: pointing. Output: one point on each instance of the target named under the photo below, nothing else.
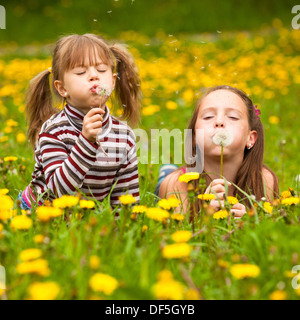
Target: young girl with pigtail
(83, 147)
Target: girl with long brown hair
(225, 108)
(83, 147)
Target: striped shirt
(65, 161)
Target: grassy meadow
(76, 249)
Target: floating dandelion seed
(223, 138)
(219, 31)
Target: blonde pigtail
(39, 106)
(128, 90)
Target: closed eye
(233, 118)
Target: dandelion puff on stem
(223, 138)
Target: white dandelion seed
(103, 91)
(223, 138)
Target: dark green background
(46, 20)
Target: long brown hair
(70, 51)
(249, 176)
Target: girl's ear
(60, 88)
(252, 138)
(114, 78)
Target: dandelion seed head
(103, 91)
(223, 138)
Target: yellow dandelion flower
(1, 229)
(150, 110)
(10, 159)
(221, 214)
(171, 105)
(169, 203)
(173, 202)
(144, 228)
(30, 254)
(4, 191)
(87, 204)
(7, 130)
(285, 194)
(11, 123)
(94, 262)
(223, 263)
(206, 197)
(38, 266)
(21, 222)
(66, 201)
(189, 176)
(101, 282)
(39, 238)
(181, 236)
(274, 120)
(176, 251)
(157, 214)
(168, 290)
(3, 139)
(21, 137)
(139, 209)
(232, 200)
(192, 294)
(48, 290)
(278, 295)
(268, 207)
(165, 275)
(7, 205)
(290, 201)
(127, 199)
(241, 271)
(44, 214)
(177, 216)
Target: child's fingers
(94, 111)
(217, 188)
(239, 206)
(96, 117)
(237, 213)
(95, 125)
(219, 181)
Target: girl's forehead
(92, 59)
(223, 99)
(89, 56)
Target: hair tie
(50, 69)
(257, 111)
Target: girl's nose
(93, 75)
(219, 123)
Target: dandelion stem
(221, 160)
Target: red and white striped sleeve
(65, 171)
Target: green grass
(134, 257)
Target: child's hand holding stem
(92, 124)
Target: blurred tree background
(44, 21)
